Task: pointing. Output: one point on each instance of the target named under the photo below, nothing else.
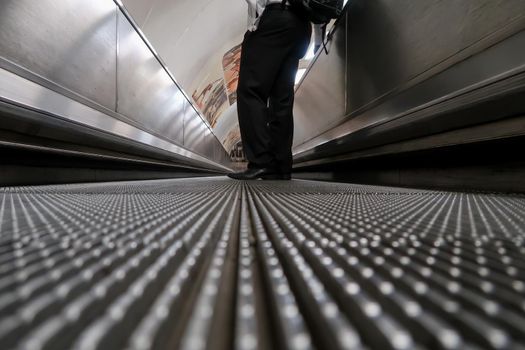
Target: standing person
(277, 38)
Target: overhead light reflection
(299, 75)
(311, 52)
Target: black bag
(318, 11)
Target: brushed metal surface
(221, 156)
(466, 83)
(197, 136)
(209, 144)
(146, 93)
(392, 42)
(405, 59)
(92, 50)
(69, 42)
(192, 128)
(20, 91)
(320, 100)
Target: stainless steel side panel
(98, 66)
(392, 42)
(209, 144)
(146, 93)
(320, 101)
(200, 139)
(22, 92)
(392, 59)
(220, 155)
(196, 132)
(69, 42)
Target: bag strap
(324, 39)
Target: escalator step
(212, 263)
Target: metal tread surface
(211, 263)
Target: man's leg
(281, 103)
(252, 105)
(281, 114)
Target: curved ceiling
(191, 36)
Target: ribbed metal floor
(214, 263)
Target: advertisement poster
(232, 138)
(212, 100)
(230, 64)
(216, 100)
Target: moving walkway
(219, 264)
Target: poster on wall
(230, 64)
(216, 99)
(212, 100)
(232, 138)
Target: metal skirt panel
(146, 93)
(93, 54)
(214, 263)
(70, 43)
(60, 109)
(389, 66)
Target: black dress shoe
(252, 174)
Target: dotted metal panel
(212, 263)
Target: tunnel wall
(396, 70)
(85, 62)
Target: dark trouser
(265, 94)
